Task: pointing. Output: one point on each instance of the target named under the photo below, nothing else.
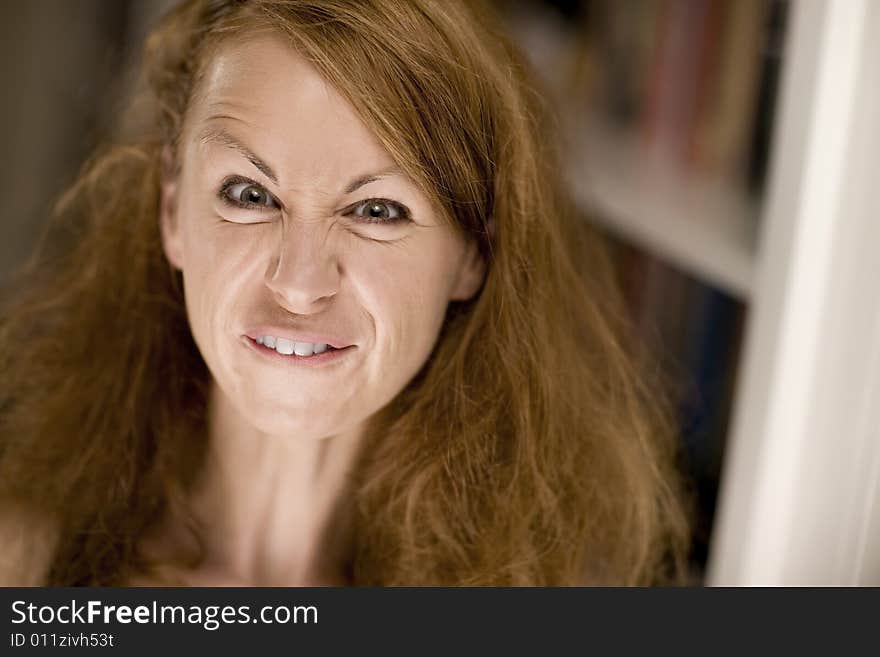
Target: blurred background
(678, 147)
(69, 66)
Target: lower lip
(329, 356)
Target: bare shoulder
(26, 546)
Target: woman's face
(292, 226)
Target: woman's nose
(304, 272)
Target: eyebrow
(223, 138)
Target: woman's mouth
(287, 347)
(286, 350)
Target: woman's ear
(470, 275)
(169, 224)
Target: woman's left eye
(247, 194)
(380, 211)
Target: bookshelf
(799, 490)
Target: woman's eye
(248, 195)
(381, 211)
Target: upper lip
(299, 336)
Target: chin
(297, 423)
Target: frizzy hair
(529, 450)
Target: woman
(323, 322)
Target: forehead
(268, 92)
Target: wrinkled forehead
(263, 86)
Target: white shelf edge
(706, 227)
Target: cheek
(409, 297)
(219, 260)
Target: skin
(283, 439)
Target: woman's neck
(275, 510)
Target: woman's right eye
(247, 194)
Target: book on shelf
(679, 71)
(696, 79)
(721, 137)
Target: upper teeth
(288, 347)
